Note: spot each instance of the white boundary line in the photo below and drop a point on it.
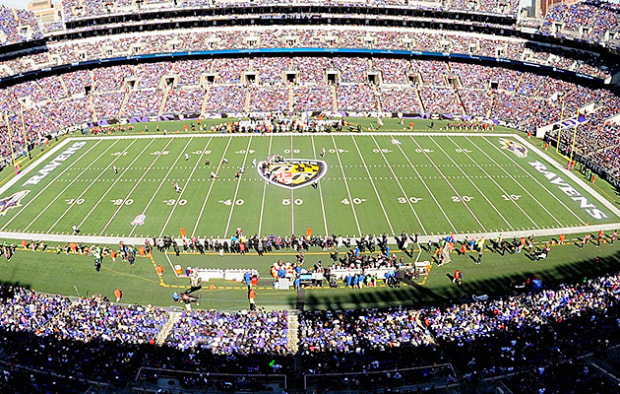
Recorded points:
(346, 185)
(114, 240)
(262, 206)
(520, 185)
(399, 185)
(496, 184)
(234, 200)
(427, 188)
(466, 204)
(50, 184)
(474, 184)
(321, 191)
(372, 183)
(204, 203)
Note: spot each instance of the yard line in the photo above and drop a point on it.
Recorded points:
(496, 184)
(427, 188)
(511, 227)
(292, 197)
(204, 203)
(522, 187)
(174, 207)
(321, 191)
(346, 185)
(135, 186)
(262, 206)
(373, 186)
(107, 191)
(449, 184)
(170, 168)
(537, 181)
(399, 185)
(50, 184)
(232, 207)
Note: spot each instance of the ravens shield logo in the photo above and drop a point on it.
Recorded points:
(292, 173)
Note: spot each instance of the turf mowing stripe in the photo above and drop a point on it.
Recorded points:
(232, 207)
(496, 184)
(170, 168)
(399, 185)
(108, 190)
(135, 186)
(373, 185)
(204, 203)
(320, 190)
(536, 200)
(48, 185)
(454, 229)
(537, 181)
(186, 183)
(346, 185)
(450, 185)
(511, 227)
(262, 205)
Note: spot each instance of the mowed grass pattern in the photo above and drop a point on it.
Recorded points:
(374, 184)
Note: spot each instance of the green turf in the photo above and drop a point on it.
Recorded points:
(75, 274)
(373, 184)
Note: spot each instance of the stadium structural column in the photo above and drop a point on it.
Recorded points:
(8, 128)
(572, 150)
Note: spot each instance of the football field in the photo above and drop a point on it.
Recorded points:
(432, 183)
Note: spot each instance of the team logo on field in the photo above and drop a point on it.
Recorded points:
(12, 201)
(292, 173)
(139, 220)
(516, 148)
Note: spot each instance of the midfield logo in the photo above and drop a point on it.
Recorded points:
(516, 148)
(12, 201)
(292, 173)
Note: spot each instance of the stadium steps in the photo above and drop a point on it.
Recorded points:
(92, 107)
(203, 108)
(124, 103)
(334, 99)
(417, 93)
(290, 98)
(293, 331)
(173, 318)
(246, 106)
(490, 110)
(163, 102)
(458, 96)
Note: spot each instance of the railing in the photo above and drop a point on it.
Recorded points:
(440, 375)
(149, 378)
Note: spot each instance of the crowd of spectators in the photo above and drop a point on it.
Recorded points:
(63, 52)
(224, 333)
(520, 334)
(75, 9)
(592, 20)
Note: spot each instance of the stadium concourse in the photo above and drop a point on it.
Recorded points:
(98, 63)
